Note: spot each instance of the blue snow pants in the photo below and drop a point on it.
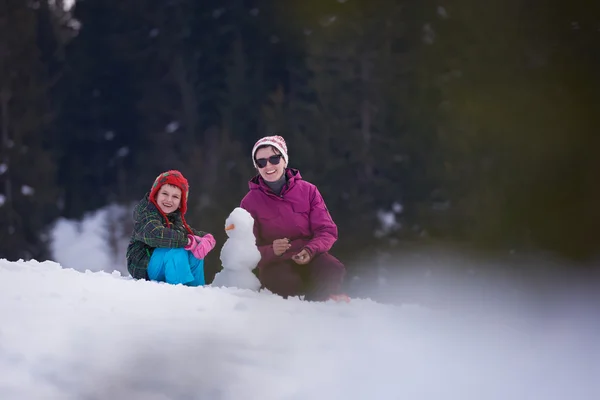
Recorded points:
(176, 266)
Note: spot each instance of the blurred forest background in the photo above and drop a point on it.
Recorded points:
(461, 121)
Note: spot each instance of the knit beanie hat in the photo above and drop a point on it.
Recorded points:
(276, 141)
(175, 178)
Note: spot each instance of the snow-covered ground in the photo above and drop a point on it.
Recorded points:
(97, 242)
(67, 334)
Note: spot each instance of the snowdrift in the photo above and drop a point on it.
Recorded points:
(92, 335)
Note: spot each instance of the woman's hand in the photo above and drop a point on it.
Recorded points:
(302, 258)
(280, 246)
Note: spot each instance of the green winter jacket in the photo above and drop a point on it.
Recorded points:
(149, 232)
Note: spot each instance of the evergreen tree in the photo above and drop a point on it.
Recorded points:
(28, 194)
(514, 122)
(348, 109)
(98, 124)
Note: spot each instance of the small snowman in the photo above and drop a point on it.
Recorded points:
(239, 254)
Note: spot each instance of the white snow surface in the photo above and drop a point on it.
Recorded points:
(96, 242)
(67, 334)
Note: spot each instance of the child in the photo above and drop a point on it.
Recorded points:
(163, 247)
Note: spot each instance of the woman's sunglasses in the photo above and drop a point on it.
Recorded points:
(274, 160)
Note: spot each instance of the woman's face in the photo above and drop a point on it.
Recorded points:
(168, 198)
(266, 156)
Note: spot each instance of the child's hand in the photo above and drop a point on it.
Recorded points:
(203, 246)
(192, 243)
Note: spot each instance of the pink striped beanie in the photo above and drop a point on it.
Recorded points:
(276, 141)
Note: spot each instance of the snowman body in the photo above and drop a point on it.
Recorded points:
(239, 255)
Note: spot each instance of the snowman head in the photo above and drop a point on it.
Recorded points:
(239, 224)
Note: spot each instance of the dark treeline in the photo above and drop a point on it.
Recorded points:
(479, 117)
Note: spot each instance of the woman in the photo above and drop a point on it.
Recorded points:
(293, 228)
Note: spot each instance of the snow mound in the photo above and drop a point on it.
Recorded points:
(93, 335)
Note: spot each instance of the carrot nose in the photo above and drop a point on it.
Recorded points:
(230, 227)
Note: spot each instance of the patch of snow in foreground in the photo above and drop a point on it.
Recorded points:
(73, 335)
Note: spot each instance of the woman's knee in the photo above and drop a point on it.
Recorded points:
(281, 279)
(326, 277)
(326, 264)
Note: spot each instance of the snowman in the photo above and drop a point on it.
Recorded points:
(239, 254)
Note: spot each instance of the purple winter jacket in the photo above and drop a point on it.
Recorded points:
(298, 213)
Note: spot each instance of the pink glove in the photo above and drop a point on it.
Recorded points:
(192, 242)
(203, 246)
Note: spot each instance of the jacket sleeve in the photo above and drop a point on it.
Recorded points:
(199, 233)
(150, 230)
(325, 232)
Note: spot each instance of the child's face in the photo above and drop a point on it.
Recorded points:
(168, 198)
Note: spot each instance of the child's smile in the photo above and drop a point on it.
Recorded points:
(168, 198)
